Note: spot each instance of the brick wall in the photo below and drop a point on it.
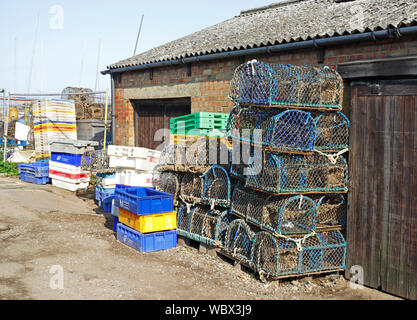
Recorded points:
(208, 85)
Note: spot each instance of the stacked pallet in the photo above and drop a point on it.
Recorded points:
(147, 220)
(52, 120)
(132, 167)
(37, 172)
(65, 165)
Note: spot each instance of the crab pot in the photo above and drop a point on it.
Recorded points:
(275, 256)
(251, 84)
(170, 182)
(323, 251)
(291, 174)
(332, 131)
(208, 226)
(183, 219)
(250, 124)
(292, 131)
(170, 156)
(217, 187)
(297, 215)
(254, 206)
(239, 240)
(288, 86)
(331, 209)
(191, 189)
(241, 155)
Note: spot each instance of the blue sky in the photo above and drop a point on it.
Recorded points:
(67, 56)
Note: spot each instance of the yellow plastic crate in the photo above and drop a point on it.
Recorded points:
(189, 139)
(149, 223)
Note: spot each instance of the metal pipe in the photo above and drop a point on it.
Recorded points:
(113, 112)
(319, 43)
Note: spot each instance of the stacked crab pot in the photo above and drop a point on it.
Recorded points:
(289, 139)
(194, 169)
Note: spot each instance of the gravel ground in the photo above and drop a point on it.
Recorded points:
(42, 227)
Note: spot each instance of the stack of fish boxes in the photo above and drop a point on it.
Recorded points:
(65, 164)
(34, 172)
(147, 220)
(134, 167)
(52, 120)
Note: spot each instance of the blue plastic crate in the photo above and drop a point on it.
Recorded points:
(115, 223)
(32, 179)
(37, 169)
(68, 158)
(143, 201)
(106, 204)
(146, 242)
(103, 193)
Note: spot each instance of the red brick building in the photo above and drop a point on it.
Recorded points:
(373, 45)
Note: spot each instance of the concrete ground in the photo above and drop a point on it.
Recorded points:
(55, 245)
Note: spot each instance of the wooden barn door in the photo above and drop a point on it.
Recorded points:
(382, 205)
(152, 115)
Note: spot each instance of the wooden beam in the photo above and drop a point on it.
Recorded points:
(404, 66)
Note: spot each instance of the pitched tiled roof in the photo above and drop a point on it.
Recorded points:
(283, 22)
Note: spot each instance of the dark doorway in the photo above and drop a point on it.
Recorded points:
(152, 115)
(382, 216)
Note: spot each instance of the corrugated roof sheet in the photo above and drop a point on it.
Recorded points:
(282, 22)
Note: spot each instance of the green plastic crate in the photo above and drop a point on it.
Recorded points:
(199, 132)
(202, 123)
(210, 115)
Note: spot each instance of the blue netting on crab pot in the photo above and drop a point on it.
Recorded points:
(290, 174)
(322, 252)
(183, 220)
(239, 240)
(217, 187)
(332, 130)
(297, 215)
(191, 188)
(249, 124)
(288, 86)
(253, 83)
(169, 182)
(292, 131)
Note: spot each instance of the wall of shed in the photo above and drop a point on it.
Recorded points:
(208, 85)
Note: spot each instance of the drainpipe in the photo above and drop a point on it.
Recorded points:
(396, 33)
(113, 112)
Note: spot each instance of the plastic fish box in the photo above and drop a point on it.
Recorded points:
(32, 179)
(115, 223)
(103, 193)
(77, 176)
(134, 178)
(69, 186)
(68, 158)
(143, 201)
(65, 168)
(149, 223)
(37, 169)
(146, 242)
(106, 204)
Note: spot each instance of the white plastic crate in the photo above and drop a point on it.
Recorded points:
(68, 180)
(108, 182)
(134, 178)
(69, 186)
(144, 164)
(65, 168)
(134, 152)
